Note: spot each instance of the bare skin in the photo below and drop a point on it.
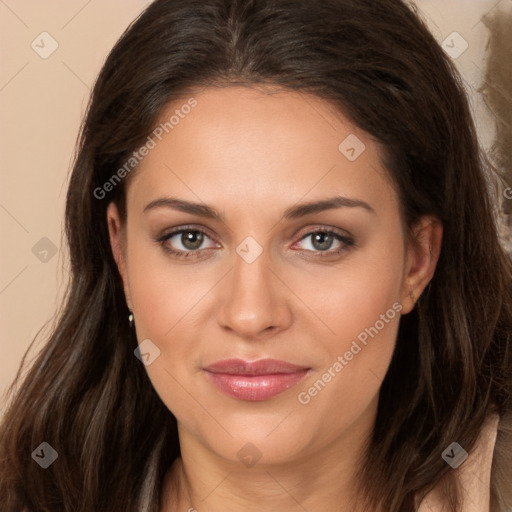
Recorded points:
(251, 156)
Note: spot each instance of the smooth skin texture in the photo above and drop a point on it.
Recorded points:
(251, 154)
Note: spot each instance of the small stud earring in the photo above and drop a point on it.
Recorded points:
(130, 319)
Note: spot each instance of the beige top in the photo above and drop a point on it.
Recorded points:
(474, 474)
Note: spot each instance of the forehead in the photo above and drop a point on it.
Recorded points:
(259, 145)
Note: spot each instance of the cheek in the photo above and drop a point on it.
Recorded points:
(362, 310)
(352, 295)
(355, 364)
(164, 294)
(166, 299)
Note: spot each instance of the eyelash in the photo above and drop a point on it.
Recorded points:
(346, 240)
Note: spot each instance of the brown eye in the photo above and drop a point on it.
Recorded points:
(322, 242)
(185, 242)
(192, 240)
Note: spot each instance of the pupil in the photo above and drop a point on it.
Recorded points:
(192, 239)
(324, 239)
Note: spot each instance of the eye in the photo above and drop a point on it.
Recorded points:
(188, 242)
(321, 241)
(184, 242)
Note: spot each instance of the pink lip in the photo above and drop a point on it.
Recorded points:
(257, 380)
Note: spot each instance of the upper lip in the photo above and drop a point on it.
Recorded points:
(259, 367)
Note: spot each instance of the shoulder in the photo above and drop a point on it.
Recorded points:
(474, 474)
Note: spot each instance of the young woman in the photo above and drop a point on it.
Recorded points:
(287, 289)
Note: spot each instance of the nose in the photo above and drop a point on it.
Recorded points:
(254, 301)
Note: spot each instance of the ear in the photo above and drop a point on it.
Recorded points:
(118, 244)
(422, 255)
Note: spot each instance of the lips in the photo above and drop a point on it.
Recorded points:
(256, 380)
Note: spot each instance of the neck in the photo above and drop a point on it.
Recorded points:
(322, 479)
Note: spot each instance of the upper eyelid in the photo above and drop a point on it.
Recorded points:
(177, 231)
(336, 231)
(342, 238)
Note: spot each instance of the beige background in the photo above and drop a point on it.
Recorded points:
(41, 104)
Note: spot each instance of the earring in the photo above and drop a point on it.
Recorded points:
(130, 319)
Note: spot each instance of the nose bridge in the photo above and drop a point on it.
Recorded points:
(252, 302)
(251, 273)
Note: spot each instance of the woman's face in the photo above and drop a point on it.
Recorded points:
(268, 276)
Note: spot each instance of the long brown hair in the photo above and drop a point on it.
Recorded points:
(86, 394)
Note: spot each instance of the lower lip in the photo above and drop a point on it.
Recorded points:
(255, 387)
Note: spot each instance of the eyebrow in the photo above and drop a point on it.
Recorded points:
(293, 212)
